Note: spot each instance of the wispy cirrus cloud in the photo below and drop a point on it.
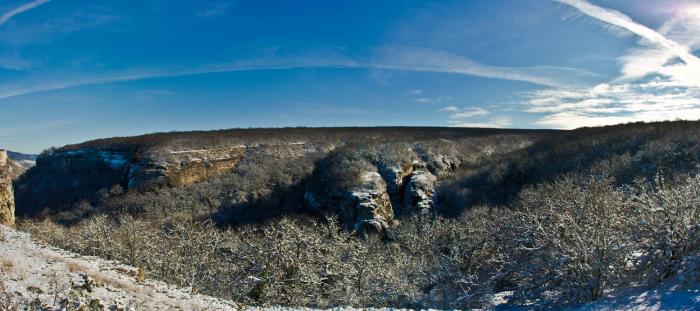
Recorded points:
(608, 104)
(676, 39)
(474, 117)
(498, 122)
(427, 100)
(618, 19)
(651, 86)
(54, 81)
(432, 100)
(4, 18)
(428, 60)
(404, 59)
(215, 8)
(470, 112)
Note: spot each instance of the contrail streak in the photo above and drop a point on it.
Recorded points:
(19, 10)
(618, 19)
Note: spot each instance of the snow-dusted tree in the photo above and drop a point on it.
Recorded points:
(566, 241)
(667, 231)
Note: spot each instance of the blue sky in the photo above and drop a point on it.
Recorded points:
(77, 70)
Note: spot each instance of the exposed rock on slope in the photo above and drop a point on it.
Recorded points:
(7, 198)
(372, 205)
(362, 206)
(180, 168)
(15, 169)
(174, 168)
(420, 191)
(369, 196)
(62, 177)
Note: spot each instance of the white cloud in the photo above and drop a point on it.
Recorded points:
(414, 92)
(468, 113)
(651, 59)
(608, 104)
(618, 19)
(14, 62)
(63, 80)
(432, 100)
(463, 117)
(651, 87)
(19, 10)
(449, 109)
(499, 122)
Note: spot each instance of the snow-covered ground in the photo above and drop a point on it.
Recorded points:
(30, 271)
(668, 296)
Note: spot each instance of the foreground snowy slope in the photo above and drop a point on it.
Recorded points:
(31, 271)
(34, 275)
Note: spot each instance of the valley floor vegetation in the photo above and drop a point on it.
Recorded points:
(561, 220)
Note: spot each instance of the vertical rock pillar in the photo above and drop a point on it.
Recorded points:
(7, 197)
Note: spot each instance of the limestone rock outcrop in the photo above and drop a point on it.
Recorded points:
(180, 168)
(365, 206)
(64, 177)
(372, 204)
(139, 171)
(381, 192)
(7, 200)
(420, 191)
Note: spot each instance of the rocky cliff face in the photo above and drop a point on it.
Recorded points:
(180, 168)
(7, 198)
(420, 191)
(62, 178)
(132, 171)
(381, 191)
(364, 206)
(367, 177)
